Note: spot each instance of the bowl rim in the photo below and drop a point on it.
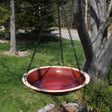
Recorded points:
(26, 83)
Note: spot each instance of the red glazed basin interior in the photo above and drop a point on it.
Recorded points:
(55, 78)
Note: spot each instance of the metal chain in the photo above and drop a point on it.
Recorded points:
(39, 38)
(70, 36)
(74, 50)
(60, 35)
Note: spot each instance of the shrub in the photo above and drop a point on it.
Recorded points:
(99, 95)
(110, 74)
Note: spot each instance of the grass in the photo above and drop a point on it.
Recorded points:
(14, 96)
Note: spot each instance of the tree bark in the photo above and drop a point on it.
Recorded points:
(78, 9)
(86, 12)
(98, 53)
(13, 48)
(99, 66)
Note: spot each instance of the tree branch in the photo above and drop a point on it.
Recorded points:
(109, 11)
(102, 29)
(105, 57)
(78, 9)
(108, 15)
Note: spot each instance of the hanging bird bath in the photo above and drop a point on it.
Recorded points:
(55, 80)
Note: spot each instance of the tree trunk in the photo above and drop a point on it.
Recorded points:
(13, 48)
(86, 12)
(98, 52)
(100, 65)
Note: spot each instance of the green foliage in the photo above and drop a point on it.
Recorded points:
(1, 34)
(67, 4)
(4, 15)
(110, 74)
(31, 15)
(99, 95)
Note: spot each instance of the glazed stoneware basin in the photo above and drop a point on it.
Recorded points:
(55, 80)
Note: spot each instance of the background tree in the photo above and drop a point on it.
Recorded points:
(5, 17)
(67, 6)
(13, 48)
(30, 15)
(97, 47)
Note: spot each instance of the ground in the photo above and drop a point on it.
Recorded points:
(19, 53)
(54, 33)
(65, 107)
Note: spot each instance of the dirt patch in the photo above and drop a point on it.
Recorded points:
(5, 41)
(19, 53)
(69, 107)
(64, 108)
